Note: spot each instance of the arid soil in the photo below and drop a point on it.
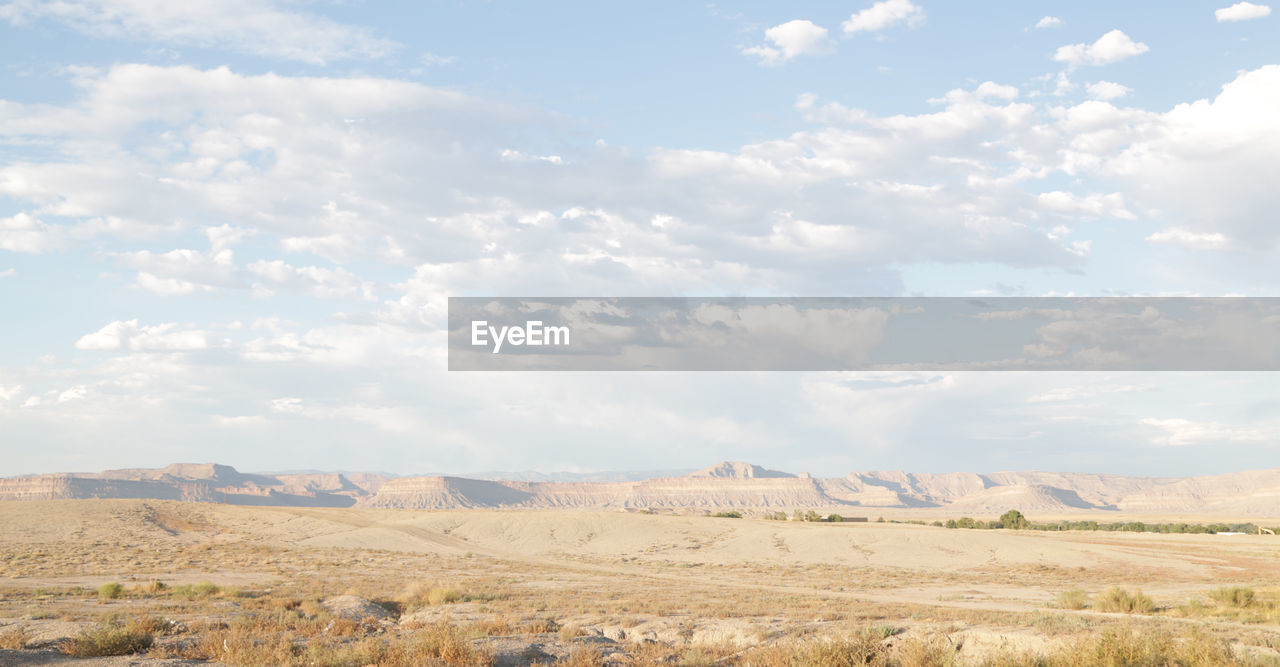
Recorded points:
(339, 586)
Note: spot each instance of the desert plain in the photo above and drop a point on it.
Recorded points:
(116, 581)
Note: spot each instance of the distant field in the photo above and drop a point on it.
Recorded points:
(263, 585)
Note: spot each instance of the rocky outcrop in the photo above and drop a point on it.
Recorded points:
(198, 482)
(727, 485)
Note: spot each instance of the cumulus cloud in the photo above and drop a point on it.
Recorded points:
(1107, 90)
(884, 14)
(788, 40)
(183, 271)
(314, 280)
(131, 336)
(1190, 239)
(1109, 48)
(1048, 22)
(244, 26)
(1093, 205)
(27, 234)
(1242, 11)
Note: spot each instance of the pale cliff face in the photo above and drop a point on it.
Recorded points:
(724, 485)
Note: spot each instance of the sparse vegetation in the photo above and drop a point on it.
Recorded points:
(668, 602)
(1233, 596)
(1121, 600)
(727, 514)
(109, 638)
(1073, 599)
(110, 591)
(14, 637)
(1014, 519)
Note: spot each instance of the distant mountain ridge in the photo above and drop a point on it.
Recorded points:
(728, 485)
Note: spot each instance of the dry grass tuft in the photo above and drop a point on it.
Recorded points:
(1120, 600)
(1073, 599)
(108, 638)
(15, 637)
(1233, 596)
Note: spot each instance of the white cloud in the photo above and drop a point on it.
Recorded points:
(1183, 432)
(1093, 205)
(317, 281)
(24, 233)
(790, 39)
(129, 335)
(881, 15)
(1109, 48)
(1107, 90)
(434, 60)
(1242, 11)
(998, 91)
(244, 26)
(184, 271)
(224, 236)
(1048, 22)
(1190, 239)
(8, 273)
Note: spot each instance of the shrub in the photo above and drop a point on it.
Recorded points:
(110, 591)
(1073, 599)
(422, 594)
(541, 626)
(108, 639)
(1014, 520)
(1233, 596)
(14, 637)
(205, 589)
(1127, 647)
(775, 516)
(835, 518)
(443, 595)
(730, 514)
(859, 648)
(1120, 600)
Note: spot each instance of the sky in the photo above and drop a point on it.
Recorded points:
(228, 229)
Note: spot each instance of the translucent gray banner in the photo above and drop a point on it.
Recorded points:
(845, 334)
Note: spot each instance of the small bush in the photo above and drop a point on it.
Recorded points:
(422, 594)
(1233, 596)
(1073, 599)
(730, 514)
(835, 518)
(1127, 647)
(153, 625)
(110, 591)
(443, 595)
(205, 589)
(14, 637)
(541, 626)
(108, 639)
(1120, 600)
(153, 587)
(857, 649)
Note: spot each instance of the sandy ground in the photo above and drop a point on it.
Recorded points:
(615, 554)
